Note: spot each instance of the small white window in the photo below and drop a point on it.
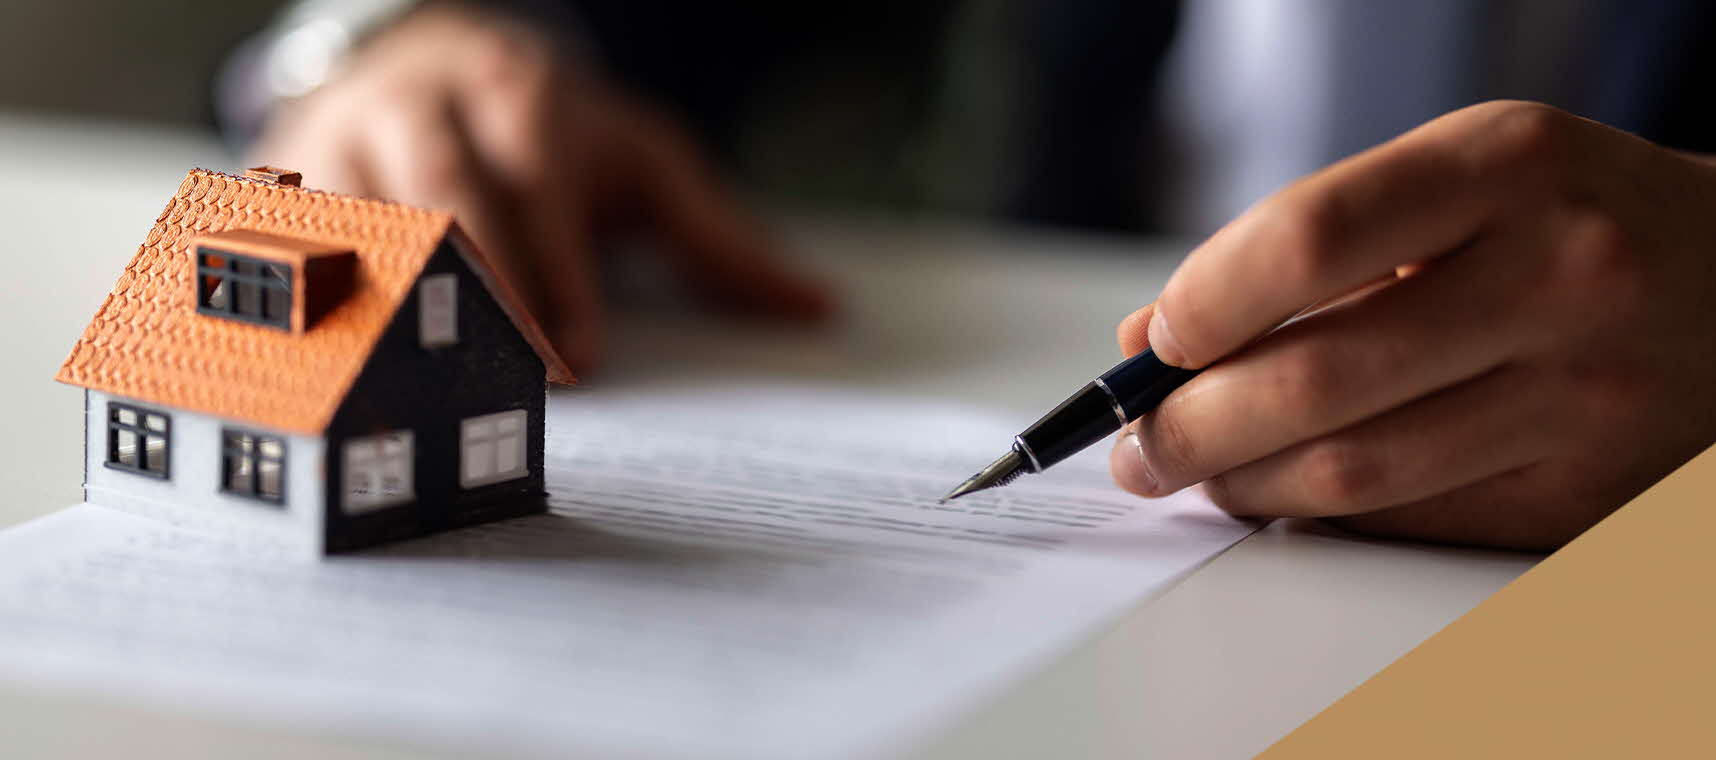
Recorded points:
(491, 448)
(438, 310)
(378, 472)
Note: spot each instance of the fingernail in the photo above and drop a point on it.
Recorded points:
(1128, 466)
(1163, 342)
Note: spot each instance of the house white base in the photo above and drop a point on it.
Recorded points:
(190, 492)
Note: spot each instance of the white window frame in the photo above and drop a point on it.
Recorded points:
(370, 463)
(438, 310)
(492, 448)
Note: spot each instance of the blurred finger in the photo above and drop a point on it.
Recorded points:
(1436, 444)
(1132, 332)
(1507, 511)
(331, 157)
(1342, 365)
(427, 158)
(724, 252)
(419, 154)
(1409, 200)
(519, 130)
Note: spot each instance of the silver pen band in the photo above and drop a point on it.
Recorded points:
(1019, 443)
(1113, 402)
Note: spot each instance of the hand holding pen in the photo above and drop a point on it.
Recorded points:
(1510, 333)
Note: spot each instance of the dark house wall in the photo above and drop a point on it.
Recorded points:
(429, 391)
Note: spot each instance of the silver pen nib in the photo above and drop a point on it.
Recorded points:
(999, 473)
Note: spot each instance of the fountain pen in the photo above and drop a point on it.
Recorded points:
(1104, 405)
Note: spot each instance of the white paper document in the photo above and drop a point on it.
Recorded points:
(725, 573)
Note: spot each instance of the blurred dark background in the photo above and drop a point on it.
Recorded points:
(121, 59)
(1115, 115)
(911, 106)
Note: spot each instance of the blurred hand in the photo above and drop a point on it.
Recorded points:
(461, 109)
(1515, 334)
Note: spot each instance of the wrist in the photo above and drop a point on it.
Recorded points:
(313, 41)
(303, 49)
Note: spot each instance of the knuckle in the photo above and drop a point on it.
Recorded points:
(491, 52)
(1596, 252)
(1311, 380)
(1184, 303)
(1169, 448)
(504, 57)
(1219, 490)
(1596, 280)
(521, 76)
(1527, 136)
(513, 123)
(1340, 476)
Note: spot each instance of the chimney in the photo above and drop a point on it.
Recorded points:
(275, 175)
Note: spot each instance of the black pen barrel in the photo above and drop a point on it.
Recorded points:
(1083, 419)
(1102, 406)
(1142, 381)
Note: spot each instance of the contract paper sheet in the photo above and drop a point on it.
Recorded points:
(724, 573)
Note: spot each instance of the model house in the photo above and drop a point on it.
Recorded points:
(322, 371)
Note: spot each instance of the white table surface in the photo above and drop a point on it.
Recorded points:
(1250, 646)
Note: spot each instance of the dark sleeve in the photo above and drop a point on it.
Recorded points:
(706, 62)
(1686, 119)
(1086, 151)
(1652, 70)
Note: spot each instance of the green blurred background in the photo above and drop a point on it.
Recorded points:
(148, 60)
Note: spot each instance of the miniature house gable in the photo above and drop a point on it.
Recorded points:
(456, 424)
(321, 370)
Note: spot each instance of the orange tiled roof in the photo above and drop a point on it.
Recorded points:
(147, 341)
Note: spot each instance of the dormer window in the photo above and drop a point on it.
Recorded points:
(243, 288)
(261, 278)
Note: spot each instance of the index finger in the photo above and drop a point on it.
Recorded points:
(1423, 194)
(724, 252)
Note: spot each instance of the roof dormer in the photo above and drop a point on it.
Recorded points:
(272, 280)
